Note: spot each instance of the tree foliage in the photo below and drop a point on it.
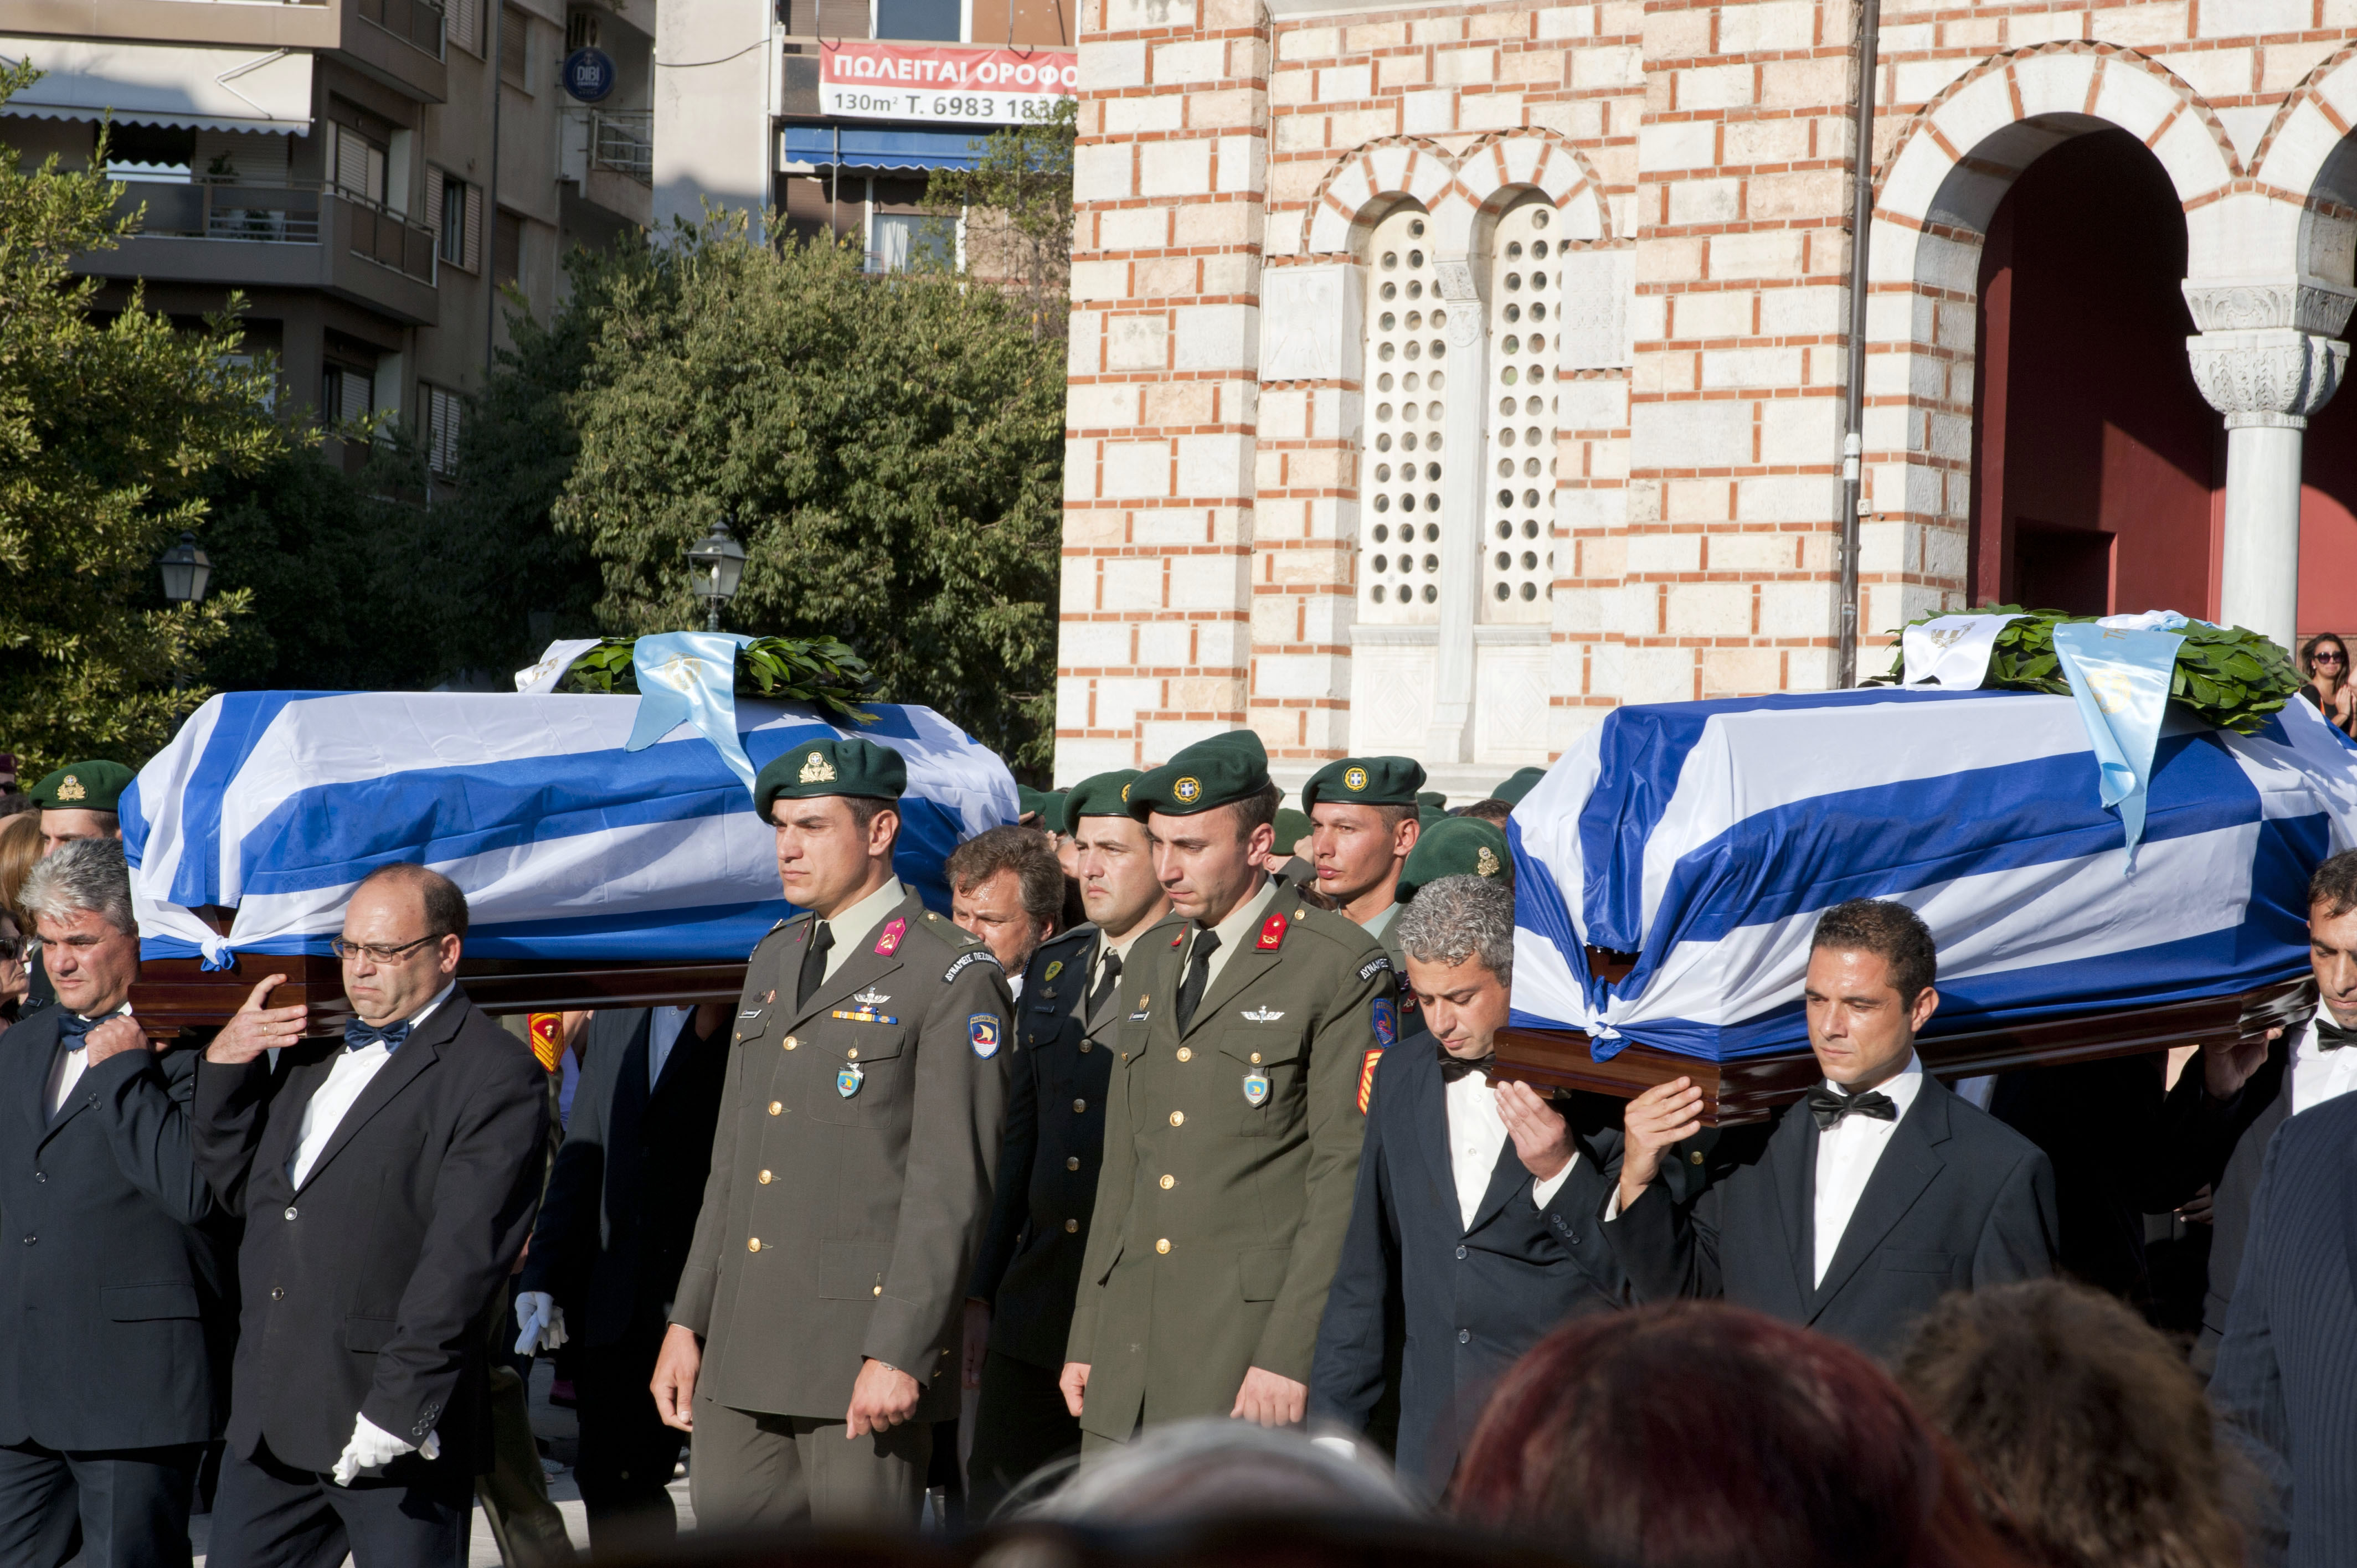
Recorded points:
(888, 449)
(1017, 202)
(108, 427)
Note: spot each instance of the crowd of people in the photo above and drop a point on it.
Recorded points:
(1168, 1178)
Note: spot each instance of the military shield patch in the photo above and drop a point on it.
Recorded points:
(982, 1028)
(1387, 1024)
(847, 1081)
(1255, 1089)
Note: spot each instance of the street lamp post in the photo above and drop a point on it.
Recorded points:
(187, 572)
(718, 566)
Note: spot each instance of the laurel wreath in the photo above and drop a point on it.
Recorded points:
(820, 671)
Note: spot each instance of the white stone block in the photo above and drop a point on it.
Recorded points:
(1787, 498)
(1812, 310)
(1766, 27)
(2246, 125)
(1104, 405)
(1093, 281)
(2024, 28)
(2054, 84)
(1921, 81)
(1462, 67)
(1796, 610)
(1107, 65)
(1190, 60)
(1217, 337)
(1078, 757)
(1346, 84)
(1215, 467)
(1657, 675)
(1685, 144)
(1765, 368)
(1428, 113)
(1243, 163)
(2214, 73)
(1592, 331)
(1136, 469)
(1650, 554)
(1138, 343)
(1310, 323)
(1706, 201)
(1102, 172)
(1592, 405)
(1138, 16)
(1712, 87)
(1716, 435)
(1800, 430)
(1174, 168)
(2242, 19)
(2195, 165)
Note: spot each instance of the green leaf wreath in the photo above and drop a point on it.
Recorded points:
(823, 672)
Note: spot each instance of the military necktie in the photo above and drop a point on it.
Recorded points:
(1199, 976)
(822, 942)
(2329, 1035)
(1108, 983)
(1829, 1107)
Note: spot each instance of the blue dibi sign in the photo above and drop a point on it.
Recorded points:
(589, 74)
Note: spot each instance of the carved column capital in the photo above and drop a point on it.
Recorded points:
(2267, 376)
(2249, 304)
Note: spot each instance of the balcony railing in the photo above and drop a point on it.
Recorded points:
(291, 213)
(415, 22)
(624, 141)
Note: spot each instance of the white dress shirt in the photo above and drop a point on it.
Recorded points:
(2319, 1076)
(1846, 1154)
(326, 1109)
(67, 1070)
(663, 1030)
(1477, 1136)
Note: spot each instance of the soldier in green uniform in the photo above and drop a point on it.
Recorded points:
(1364, 809)
(1251, 1022)
(77, 802)
(814, 1335)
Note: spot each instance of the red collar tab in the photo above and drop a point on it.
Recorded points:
(1179, 938)
(1272, 932)
(893, 932)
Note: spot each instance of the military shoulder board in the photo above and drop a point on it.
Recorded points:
(983, 955)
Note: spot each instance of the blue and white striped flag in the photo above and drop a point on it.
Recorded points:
(1706, 838)
(568, 845)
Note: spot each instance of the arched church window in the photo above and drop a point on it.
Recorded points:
(1403, 454)
(1525, 318)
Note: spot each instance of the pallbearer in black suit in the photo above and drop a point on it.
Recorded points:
(1030, 1264)
(1476, 1205)
(387, 1181)
(111, 1375)
(2286, 1386)
(1879, 1193)
(607, 1248)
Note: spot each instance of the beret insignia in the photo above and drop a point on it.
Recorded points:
(817, 769)
(1187, 791)
(1486, 861)
(70, 788)
(1355, 778)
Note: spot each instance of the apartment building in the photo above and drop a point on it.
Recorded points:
(371, 176)
(834, 112)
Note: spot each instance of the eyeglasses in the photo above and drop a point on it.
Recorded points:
(376, 952)
(2327, 656)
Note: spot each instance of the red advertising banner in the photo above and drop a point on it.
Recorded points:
(943, 82)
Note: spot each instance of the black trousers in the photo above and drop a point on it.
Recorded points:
(627, 1453)
(125, 1508)
(271, 1515)
(1020, 1427)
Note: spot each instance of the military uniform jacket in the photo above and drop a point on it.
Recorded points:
(851, 1169)
(1231, 1154)
(1030, 1265)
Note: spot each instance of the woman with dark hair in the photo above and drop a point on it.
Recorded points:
(2092, 1440)
(2324, 660)
(1694, 1434)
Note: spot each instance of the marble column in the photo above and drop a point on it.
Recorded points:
(2267, 357)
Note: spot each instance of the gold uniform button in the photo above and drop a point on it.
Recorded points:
(1168, 1182)
(1695, 1158)
(1071, 1162)
(1163, 1245)
(753, 1244)
(1072, 1227)
(792, 1042)
(878, 1291)
(1084, 1048)
(1185, 1055)
(764, 1179)
(1255, 1059)
(852, 1054)
(776, 1106)
(1079, 1106)
(1178, 1118)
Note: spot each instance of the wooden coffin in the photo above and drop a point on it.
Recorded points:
(1747, 1091)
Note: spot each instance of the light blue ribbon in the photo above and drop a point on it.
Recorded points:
(690, 677)
(2119, 676)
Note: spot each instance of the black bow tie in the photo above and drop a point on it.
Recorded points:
(1454, 1068)
(1829, 1107)
(358, 1037)
(2329, 1035)
(73, 1028)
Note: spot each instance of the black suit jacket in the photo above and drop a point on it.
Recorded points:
(111, 1287)
(1957, 1200)
(621, 1202)
(371, 1290)
(1030, 1266)
(2286, 1385)
(2263, 1105)
(1472, 1298)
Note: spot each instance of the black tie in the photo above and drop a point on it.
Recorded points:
(822, 942)
(1108, 981)
(1829, 1106)
(2332, 1037)
(1454, 1068)
(72, 1030)
(1199, 976)
(358, 1037)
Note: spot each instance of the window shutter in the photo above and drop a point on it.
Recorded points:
(434, 202)
(515, 43)
(474, 262)
(465, 25)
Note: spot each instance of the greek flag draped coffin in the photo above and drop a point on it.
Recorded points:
(1706, 838)
(569, 848)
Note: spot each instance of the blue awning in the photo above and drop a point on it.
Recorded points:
(859, 147)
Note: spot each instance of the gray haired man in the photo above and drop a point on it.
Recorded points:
(110, 1382)
(1476, 1202)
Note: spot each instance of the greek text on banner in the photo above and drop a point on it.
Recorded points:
(914, 81)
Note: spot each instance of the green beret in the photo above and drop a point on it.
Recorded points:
(1455, 846)
(1292, 827)
(848, 766)
(1052, 812)
(1029, 801)
(1364, 781)
(1513, 791)
(1101, 795)
(1431, 806)
(1215, 772)
(83, 787)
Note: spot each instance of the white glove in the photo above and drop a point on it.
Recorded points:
(540, 1322)
(372, 1448)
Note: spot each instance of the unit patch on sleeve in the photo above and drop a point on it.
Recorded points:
(979, 955)
(1387, 1024)
(982, 1028)
(1375, 966)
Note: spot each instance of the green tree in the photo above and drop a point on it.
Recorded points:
(888, 450)
(107, 427)
(1017, 203)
